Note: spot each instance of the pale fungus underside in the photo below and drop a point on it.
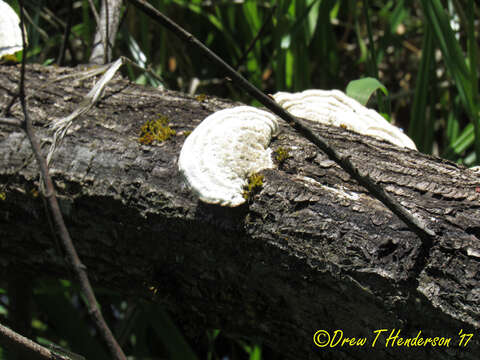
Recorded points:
(231, 145)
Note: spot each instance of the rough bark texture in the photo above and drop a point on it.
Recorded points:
(311, 251)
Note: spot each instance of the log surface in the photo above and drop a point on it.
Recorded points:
(313, 250)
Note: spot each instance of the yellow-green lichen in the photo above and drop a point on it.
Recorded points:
(201, 97)
(282, 154)
(156, 130)
(3, 195)
(255, 183)
(11, 58)
(187, 132)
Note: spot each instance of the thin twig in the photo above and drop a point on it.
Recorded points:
(11, 122)
(78, 267)
(11, 339)
(95, 12)
(147, 70)
(412, 221)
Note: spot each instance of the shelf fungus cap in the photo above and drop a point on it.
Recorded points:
(333, 107)
(227, 147)
(10, 32)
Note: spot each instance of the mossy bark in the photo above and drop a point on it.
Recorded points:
(312, 250)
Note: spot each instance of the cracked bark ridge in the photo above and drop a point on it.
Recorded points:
(312, 251)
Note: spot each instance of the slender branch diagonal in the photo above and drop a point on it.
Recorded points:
(72, 255)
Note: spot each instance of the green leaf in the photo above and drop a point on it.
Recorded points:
(289, 69)
(252, 17)
(256, 353)
(398, 15)
(464, 141)
(313, 16)
(362, 89)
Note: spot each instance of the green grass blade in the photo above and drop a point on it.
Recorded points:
(306, 14)
(325, 46)
(256, 353)
(313, 16)
(398, 15)
(463, 142)
(362, 46)
(453, 126)
(217, 22)
(454, 60)
(289, 72)
(252, 16)
(303, 16)
(451, 51)
(419, 122)
(472, 50)
(301, 67)
(472, 57)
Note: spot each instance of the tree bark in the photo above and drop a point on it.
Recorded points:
(313, 250)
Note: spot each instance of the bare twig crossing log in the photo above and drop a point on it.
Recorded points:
(58, 219)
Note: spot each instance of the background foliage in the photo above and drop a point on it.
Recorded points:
(423, 52)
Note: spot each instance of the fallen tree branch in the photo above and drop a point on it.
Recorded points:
(411, 220)
(313, 250)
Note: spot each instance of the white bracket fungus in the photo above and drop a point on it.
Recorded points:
(10, 32)
(226, 148)
(333, 107)
(232, 144)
